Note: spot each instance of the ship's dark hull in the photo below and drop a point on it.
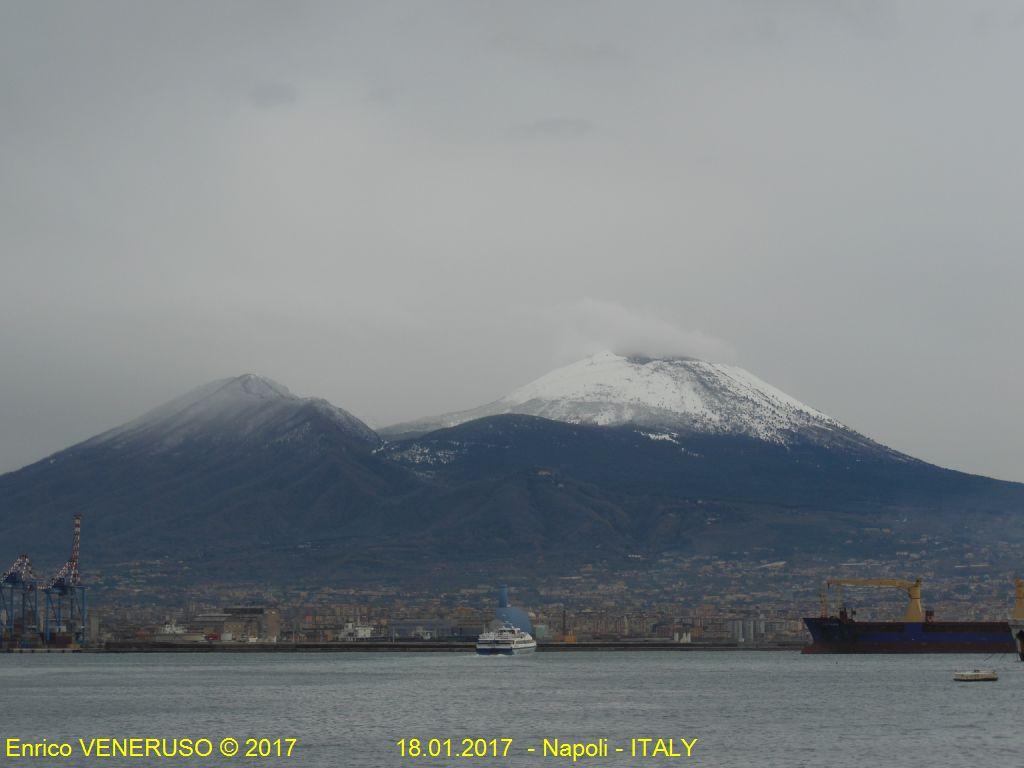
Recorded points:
(1017, 630)
(834, 635)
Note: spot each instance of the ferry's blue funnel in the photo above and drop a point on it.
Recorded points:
(514, 616)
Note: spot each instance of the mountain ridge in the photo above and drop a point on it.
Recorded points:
(232, 399)
(240, 476)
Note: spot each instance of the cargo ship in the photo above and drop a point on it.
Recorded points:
(918, 632)
(1017, 621)
(1017, 633)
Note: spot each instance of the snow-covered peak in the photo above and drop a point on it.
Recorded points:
(235, 393)
(673, 394)
(634, 385)
(258, 386)
(237, 406)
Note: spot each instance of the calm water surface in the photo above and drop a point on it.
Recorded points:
(348, 709)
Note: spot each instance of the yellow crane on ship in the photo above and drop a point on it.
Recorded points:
(914, 610)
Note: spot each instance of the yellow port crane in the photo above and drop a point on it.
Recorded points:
(914, 610)
(1018, 602)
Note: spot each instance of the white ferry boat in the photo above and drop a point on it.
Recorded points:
(506, 640)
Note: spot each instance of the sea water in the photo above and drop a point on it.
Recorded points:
(772, 709)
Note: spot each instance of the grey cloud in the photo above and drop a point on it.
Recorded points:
(412, 208)
(553, 128)
(593, 325)
(273, 94)
(561, 51)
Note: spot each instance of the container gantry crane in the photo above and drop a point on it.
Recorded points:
(19, 602)
(66, 611)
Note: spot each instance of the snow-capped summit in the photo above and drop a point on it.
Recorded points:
(238, 407)
(682, 394)
(257, 386)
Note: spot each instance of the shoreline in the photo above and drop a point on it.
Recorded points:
(131, 646)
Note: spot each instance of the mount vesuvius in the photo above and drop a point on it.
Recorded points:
(242, 480)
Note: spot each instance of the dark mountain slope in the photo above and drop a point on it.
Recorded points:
(241, 480)
(236, 465)
(661, 493)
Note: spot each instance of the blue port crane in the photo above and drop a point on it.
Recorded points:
(66, 611)
(19, 603)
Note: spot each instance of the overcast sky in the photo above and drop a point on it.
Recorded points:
(410, 208)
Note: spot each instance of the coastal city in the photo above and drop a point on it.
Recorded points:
(694, 601)
(687, 600)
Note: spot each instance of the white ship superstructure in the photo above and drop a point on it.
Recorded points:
(506, 640)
